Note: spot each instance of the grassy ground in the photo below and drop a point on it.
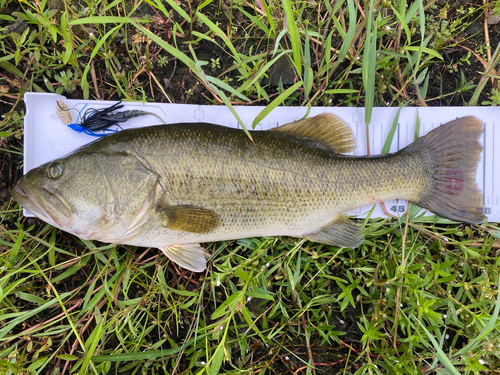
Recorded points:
(416, 297)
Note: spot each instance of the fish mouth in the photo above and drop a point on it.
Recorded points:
(19, 189)
(45, 202)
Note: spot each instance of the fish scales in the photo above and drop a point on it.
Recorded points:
(174, 186)
(277, 183)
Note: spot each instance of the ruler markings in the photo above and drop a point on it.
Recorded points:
(494, 156)
(431, 118)
(489, 153)
(484, 164)
(489, 184)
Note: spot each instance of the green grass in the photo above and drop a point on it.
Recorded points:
(415, 297)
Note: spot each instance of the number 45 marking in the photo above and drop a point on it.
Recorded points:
(398, 208)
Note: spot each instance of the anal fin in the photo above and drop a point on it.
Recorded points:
(190, 256)
(341, 232)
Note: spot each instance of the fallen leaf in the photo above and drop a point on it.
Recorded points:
(63, 113)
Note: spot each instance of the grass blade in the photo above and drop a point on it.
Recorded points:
(262, 71)
(104, 20)
(276, 102)
(440, 354)
(308, 72)
(351, 31)
(226, 87)
(369, 65)
(294, 36)
(9, 326)
(159, 5)
(148, 355)
(390, 136)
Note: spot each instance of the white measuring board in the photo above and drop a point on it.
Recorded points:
(46, 138)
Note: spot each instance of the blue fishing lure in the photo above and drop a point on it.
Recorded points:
(96, 120)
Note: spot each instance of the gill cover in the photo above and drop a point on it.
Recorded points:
(132, 188)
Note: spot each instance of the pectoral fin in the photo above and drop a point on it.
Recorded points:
(325, 127)
(189, 218)
(190, 256)
(341, 232)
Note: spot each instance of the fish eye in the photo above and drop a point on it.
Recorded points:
(55, 170)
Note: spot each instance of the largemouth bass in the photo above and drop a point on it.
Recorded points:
(174, 186)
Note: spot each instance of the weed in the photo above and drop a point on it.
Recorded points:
(66, 80)
(162, 61)
(494, 98)
(215, 63)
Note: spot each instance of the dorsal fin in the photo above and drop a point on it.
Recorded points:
(325, 127)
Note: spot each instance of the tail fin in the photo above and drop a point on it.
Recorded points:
(454, 150)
